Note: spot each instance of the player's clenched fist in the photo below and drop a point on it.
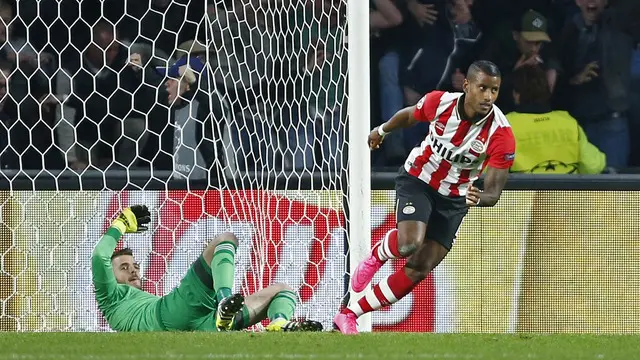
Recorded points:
(473, 196)
(133, 219)
(375, 139)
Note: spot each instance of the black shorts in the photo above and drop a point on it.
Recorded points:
(417, 201)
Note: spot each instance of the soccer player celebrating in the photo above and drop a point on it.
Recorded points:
(434, 188)
(202, 302)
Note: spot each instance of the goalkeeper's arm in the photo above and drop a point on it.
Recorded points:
(130, 220)
(104, 280)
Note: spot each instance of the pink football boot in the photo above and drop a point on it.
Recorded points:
(346, 323)
(365, 272)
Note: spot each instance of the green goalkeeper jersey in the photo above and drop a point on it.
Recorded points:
(125, 307)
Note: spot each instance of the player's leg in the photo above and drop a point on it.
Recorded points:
(276, 303)
(195, 296)
(413, 210)
(220, 255)
(394, 287)
(441, 232)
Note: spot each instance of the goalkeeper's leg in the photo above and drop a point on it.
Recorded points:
(220, 255)
(277, 303)
(205, 291)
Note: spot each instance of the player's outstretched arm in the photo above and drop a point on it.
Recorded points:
(425, 110)
(404, 118)
(130, 220)
(104, 280)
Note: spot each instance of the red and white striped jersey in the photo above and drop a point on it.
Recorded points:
(455, 151)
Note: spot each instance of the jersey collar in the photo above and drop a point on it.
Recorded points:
(477, 120)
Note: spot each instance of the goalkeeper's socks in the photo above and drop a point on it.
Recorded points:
(388, 247)
(388, 291)
(223, 267)
(283, 305)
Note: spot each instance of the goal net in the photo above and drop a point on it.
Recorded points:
(224, 117)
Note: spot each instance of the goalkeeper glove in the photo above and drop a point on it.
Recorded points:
(133, 219)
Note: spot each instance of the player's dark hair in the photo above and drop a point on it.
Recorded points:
(485, 67)
(530, 82)
(125, 251)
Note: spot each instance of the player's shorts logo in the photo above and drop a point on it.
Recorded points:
(408, 210)
(477, 146)
(421, 102)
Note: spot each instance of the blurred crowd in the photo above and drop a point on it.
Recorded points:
(130, 84)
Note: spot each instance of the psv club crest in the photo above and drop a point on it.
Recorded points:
(477, 146)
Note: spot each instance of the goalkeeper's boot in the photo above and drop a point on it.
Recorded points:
(282, 324)
(346, 322)
(365, 271)
(227, 310)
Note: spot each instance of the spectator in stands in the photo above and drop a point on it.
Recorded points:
(284, 81)
(494, 21)
(6, 17)
(462, 20)
(8, 156)
(528, 45)
(596, 54)
(104, 82)
(466, 34)
(429, 40)
(466, 47)
(387, 37)
(162, 22)
(242, 64)
(548, 142)
(323, 83)
(497, 17)
(197, 115)
(384, 15)
(31, 137)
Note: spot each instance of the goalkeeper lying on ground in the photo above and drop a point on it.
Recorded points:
(202, 302)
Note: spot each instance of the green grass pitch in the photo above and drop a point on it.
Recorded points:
(125, 346)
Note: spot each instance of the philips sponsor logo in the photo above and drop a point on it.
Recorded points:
(450, 155)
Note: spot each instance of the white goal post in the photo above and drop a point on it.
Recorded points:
(265, 136)
(359, 153)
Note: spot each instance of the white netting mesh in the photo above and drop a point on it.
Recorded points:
(283, 69)
(88, 105)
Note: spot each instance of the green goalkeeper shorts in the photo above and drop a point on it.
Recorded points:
(192, 304)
